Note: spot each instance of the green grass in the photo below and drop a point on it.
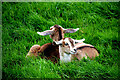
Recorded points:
(98, 23)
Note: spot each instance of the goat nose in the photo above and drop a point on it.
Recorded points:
(75, 50)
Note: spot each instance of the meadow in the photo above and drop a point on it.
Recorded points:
(98, 23)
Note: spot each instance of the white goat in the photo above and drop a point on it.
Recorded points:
(68, 50)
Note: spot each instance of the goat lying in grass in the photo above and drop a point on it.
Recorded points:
(50, 50)
(68, 50)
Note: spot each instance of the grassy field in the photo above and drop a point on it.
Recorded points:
(98, 23)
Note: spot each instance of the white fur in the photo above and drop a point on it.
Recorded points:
(65, 58)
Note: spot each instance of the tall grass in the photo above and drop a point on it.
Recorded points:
(98, 23)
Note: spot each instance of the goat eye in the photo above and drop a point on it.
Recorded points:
(60, 44)
(76, 42)
(66, 43)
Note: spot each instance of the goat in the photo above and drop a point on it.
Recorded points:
(68, 50)
(50, 50)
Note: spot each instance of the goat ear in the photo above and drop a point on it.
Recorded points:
(79, 41)
(70, 30)
(47, 32)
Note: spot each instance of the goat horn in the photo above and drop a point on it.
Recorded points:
(79, 41)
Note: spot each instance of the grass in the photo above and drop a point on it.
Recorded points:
(98, 23)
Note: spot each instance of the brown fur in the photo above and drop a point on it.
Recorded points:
(47, 51)
(58, 33)
(63, 43)
(34, 51)
(50, 52)
(71, 41)
(86, 51)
